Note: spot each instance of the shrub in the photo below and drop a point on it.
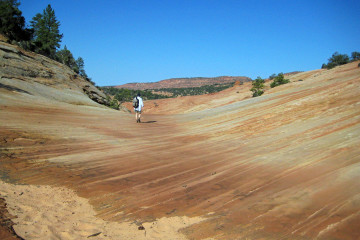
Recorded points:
(272, 76)
(113, 103)
(336, 59)
(64, 56)
(197, 90)
(355, 56)
(27, 45)
(279, 80)
(126, 95)
(258, 87)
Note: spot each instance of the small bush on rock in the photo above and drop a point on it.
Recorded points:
(336, 59)
(258, 87)
(279, 80)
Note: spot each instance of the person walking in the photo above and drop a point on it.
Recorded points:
(138, 105)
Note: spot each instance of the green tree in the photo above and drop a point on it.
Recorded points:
(279, 80)
(336, 59)
(272, 76)
(81, 66)
(46, 32)
(258, 87)
(12, 23)
(124, 95)
(64, 56)
(355, 56)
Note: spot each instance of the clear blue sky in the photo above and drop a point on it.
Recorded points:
(151, 40)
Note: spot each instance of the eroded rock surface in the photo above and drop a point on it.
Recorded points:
(39, 75)
(285, 165)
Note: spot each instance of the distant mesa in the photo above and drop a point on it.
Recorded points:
(184, 82)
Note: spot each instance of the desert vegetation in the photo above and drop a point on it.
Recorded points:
(113, 103)
(279, 80)
(258, 87)
(117, 96)
(120, 95)
(191, 91)
(258, 84)
(126, 95)
(338, 59)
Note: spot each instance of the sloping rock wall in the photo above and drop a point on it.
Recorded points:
(40, 76)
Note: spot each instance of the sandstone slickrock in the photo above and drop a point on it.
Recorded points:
(39, 75)
(285, 165)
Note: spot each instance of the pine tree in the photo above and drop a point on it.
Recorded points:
(46, 32)
(12, 22)
(80, 64)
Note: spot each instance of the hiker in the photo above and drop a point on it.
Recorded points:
(138, 105)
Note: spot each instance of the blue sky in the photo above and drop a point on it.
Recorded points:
(150, 40)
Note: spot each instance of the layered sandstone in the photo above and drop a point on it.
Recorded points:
(285, 165)
(35, 74)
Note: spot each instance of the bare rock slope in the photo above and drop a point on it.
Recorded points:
(285, 165)
(35, 74)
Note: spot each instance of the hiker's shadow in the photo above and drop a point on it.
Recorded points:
(149, 122)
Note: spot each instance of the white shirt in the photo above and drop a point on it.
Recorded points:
(141, 104)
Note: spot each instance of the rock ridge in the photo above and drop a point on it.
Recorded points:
(184, 82)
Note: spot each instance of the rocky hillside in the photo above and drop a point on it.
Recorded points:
(183, 82)
(34, 74)
(284, 165)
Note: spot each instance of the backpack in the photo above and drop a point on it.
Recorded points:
(135, 102)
